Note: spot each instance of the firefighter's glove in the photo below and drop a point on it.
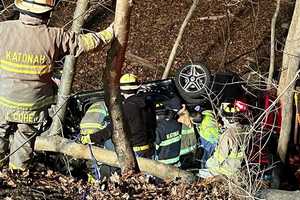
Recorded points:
(184, 117)
(85, 139)
(85, 136)
(107, 35)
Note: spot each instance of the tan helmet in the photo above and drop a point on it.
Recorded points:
(129, 82)
(35, 6)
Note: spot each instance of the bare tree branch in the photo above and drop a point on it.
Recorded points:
(178, 39)
(272, 54)
(68, 71)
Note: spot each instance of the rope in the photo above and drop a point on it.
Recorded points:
(95, 167)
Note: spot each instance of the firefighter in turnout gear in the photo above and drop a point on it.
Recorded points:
(95, 125)
(139, 112)
(168, 134)
(28, 51)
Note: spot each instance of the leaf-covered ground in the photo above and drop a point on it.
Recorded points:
(50, 185)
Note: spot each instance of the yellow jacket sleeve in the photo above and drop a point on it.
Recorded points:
(75, 44)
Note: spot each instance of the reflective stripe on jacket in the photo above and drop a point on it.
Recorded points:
(188, 140)
(28, 49)
(168, 141)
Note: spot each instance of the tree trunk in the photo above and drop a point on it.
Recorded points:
(68, 73)
(290, 65)
(68, 147)
(114, 64)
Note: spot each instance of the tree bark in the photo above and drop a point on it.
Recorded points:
(68, 147)
(178, 39)
(290, 65)
(68, 73)
(112, 74)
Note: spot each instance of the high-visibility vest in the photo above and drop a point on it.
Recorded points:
(209, 127)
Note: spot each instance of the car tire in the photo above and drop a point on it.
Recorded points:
(192, 80)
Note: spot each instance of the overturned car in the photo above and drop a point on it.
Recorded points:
(199, 90)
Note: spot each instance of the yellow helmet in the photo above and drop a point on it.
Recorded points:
(35, 6)
(129, 82)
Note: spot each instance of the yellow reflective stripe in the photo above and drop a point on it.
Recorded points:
(95, 110)
(236, 155)
(170, 161)
(141, 148)
(91, 125)
(17, 65)
(31, 69)
(25, 106)
(233, 155)
(187, 131)
(187, 150)
(18, 71)
(170, 141)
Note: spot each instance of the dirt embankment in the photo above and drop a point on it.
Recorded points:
(223, 36)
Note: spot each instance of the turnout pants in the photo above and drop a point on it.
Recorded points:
(16, 137)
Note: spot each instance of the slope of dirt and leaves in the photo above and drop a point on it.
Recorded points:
(225, 35)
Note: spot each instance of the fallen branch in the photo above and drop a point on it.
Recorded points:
(178, 39)
(80, 151)
(139, 60)
(213, 18)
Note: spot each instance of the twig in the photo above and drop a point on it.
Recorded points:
(217, 17)
(134, 58)
(178, 39)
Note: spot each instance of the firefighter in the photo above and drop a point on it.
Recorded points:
(229, 153)
(27, 54)
(168, 133)
(230, 150)
(139, 112)
(189, 140)
(95, 125)
(209, 131)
